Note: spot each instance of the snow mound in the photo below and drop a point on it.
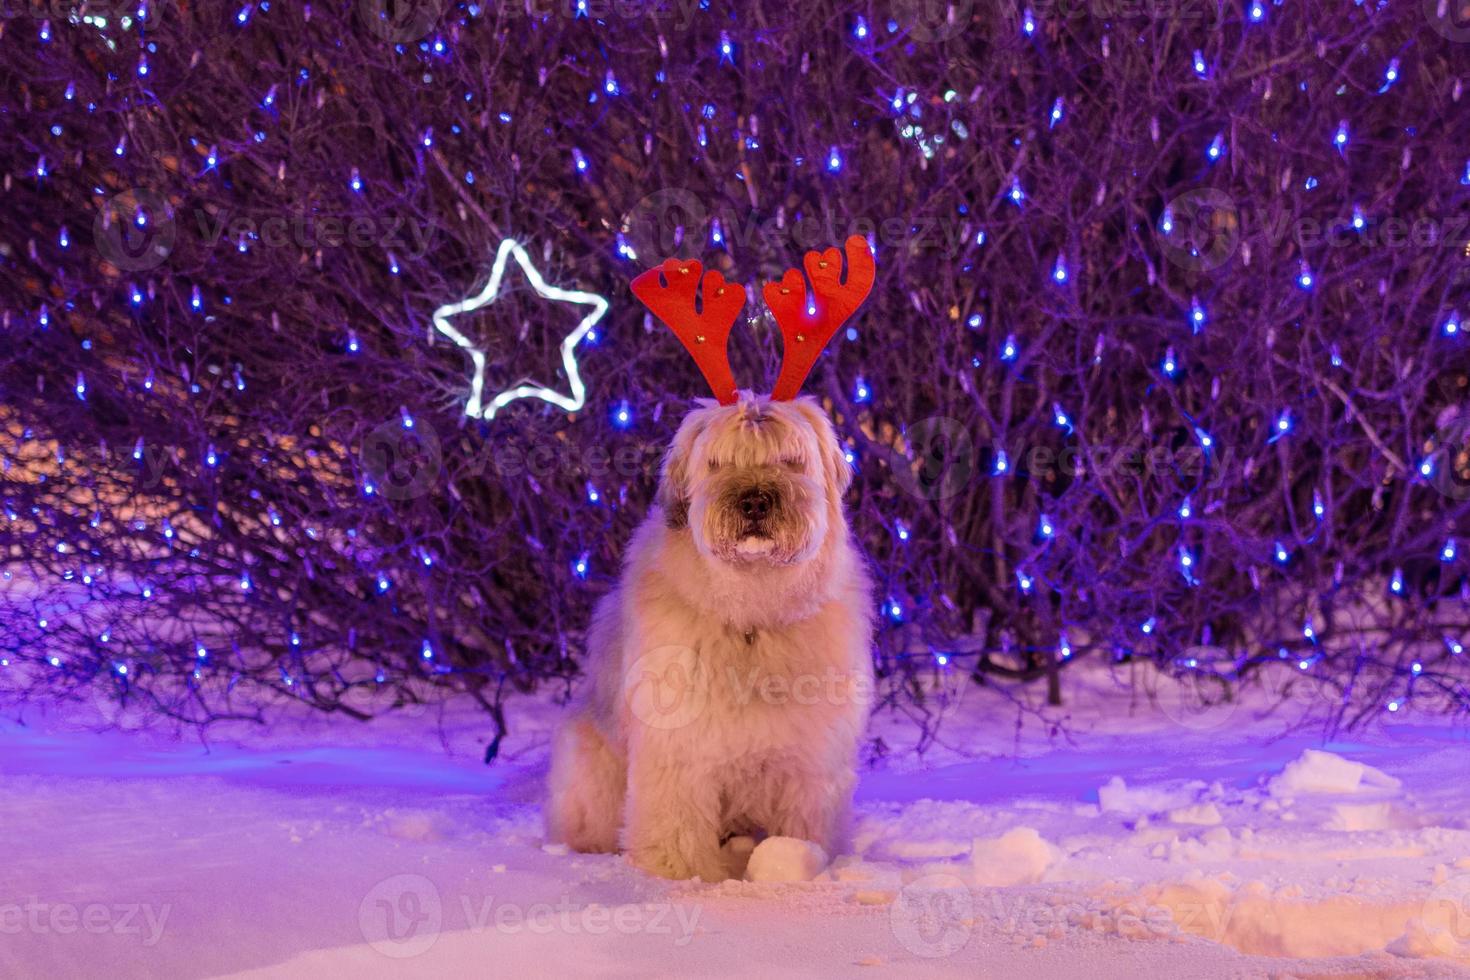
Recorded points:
(1422, 941)
(1017, 857)
(785, 859)
(1315, 771)
(416, 825)
(1200, 814)
(1360, 816)
(1117, 797)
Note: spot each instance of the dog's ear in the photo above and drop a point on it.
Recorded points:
(673, 483)
(834, 461)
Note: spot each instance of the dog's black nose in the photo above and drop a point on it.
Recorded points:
(756, 504)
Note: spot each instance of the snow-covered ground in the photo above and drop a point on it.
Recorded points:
(1113, 838)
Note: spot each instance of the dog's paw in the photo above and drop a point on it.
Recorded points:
(668, 863)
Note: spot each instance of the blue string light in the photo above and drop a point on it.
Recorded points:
(1390, 75)
(1186, 565)
(1170, 365)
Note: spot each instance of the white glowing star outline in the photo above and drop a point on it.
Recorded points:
(476, 407)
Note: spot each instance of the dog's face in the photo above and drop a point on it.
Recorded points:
(759, 481)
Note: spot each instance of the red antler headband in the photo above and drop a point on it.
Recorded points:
(668, 290)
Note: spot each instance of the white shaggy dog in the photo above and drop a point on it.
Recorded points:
(730, 673)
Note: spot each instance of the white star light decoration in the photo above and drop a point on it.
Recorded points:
(476, 407)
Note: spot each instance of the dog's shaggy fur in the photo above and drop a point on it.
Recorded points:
(730, 673)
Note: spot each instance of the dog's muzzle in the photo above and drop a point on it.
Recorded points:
(755, 506)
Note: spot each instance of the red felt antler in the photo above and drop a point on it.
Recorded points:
(806, 332)
(705, 332)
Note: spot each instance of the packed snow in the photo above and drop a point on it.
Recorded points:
(1113, 837)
